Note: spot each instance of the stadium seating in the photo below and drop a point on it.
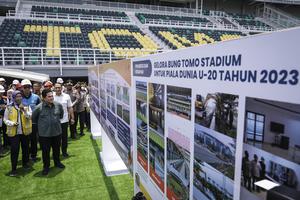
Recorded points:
(225, 21)
(74, 11)
(247, 20)
(78, 40)
(122, 39)
(143, 16)
(205, 12)
(177, 38)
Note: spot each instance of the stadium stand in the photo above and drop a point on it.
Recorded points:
(83, 34)
(145, 16)
(60, 34)
(177, 38)
(248, 20)
(225, 21)
(74, 11)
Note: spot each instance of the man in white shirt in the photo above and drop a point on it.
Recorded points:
(65, 100)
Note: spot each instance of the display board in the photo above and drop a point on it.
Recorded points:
(196, 111)
(115, 90)
(94, 91)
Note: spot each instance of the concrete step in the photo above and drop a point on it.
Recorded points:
(145, 29)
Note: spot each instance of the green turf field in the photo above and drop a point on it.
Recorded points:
(83, 178)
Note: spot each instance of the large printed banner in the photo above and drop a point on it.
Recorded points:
(94, 91)
(115, 87)
(210, 121)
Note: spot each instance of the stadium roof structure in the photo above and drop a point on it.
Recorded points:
(21, 74)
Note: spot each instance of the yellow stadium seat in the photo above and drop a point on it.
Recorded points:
(32, 28)
(26, 28)
(77, 29)
(67, 29)
(44, 28)
(72, 30)
(38, 28)
(62, 29)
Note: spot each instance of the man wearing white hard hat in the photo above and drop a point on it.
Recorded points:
(14, 84)
(32, 100)
(60, 81)
(2, 82)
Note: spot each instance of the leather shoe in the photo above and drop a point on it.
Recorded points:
(45, 171)
(13, 173)
(60, 165)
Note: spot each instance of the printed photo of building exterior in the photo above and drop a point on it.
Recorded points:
(214, 154)
(214, 146)
(210, 184)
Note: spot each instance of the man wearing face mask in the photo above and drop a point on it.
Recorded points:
(32, 100)
(17, 117)
(47, 115)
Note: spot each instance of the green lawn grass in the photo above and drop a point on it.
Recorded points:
(83, 178)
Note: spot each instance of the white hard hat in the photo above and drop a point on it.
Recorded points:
(2, 79)
(15, 82)
(2, 90)
(59, 80)
(25, 82)
(10, 90)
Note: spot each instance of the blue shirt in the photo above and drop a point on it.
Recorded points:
(2, 101)
(33, 100)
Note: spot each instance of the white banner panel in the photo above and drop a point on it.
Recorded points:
(199, 110)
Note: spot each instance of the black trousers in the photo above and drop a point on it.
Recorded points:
(33, 141)
(255, 187)
(46, 144)
(15, 149)
(64, 137)
(87, 119)
(72, 130)
(81, 116)
(6, 140)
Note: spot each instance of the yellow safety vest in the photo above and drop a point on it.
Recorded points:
(25, 122)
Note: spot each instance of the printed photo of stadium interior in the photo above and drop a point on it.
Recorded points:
(156, 94)
(179, 101)
(271, 146)
(217, 111)
(141, 123)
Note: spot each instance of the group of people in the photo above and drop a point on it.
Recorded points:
(41, 113)
(253, 171)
